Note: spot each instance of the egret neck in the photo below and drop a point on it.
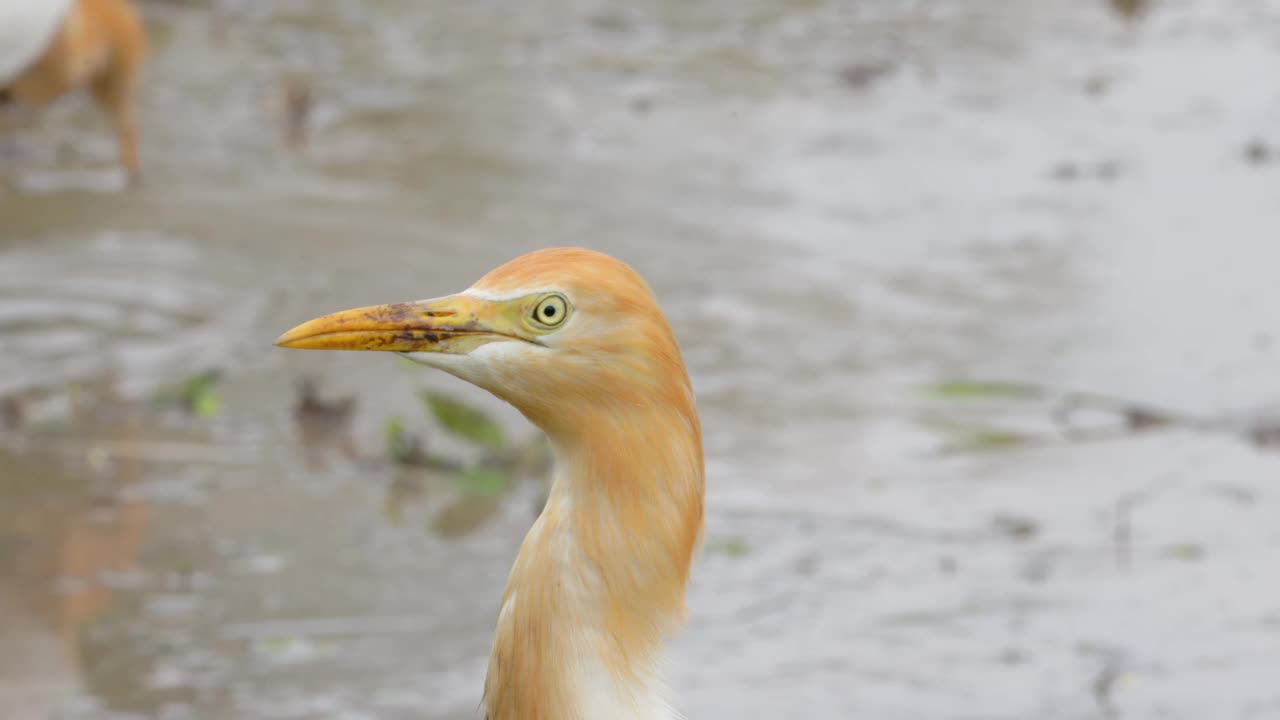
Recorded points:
(600, 578)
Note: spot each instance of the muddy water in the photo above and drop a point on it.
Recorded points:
(836, 203)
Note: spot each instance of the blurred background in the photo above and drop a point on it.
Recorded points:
(979, 299)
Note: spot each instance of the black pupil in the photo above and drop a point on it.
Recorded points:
(549, 311)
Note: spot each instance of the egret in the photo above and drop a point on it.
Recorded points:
(49, 48)
(574, 339)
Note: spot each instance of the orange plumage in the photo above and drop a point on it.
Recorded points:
(100, 45)
(575, 340)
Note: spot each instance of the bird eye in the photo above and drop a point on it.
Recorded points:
(551, 311)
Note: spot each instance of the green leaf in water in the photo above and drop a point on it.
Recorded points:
(286, 649)
(274, 645)
(200, 383)
(205, 403)
(990, 441)
(963, 437)
(393, 431)
(482, 481)
(995, 440)
(1188, 552)
(733, 547)
(465, 421)
(970, 389)
(198, 394)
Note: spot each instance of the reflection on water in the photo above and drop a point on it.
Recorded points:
(836, 203)
(71, 539)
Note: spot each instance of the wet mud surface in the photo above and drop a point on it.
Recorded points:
(839, 205)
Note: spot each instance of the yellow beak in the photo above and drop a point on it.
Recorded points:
(455, 324)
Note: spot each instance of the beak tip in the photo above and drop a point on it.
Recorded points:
(285, 340)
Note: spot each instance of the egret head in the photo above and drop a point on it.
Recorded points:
(560, 333)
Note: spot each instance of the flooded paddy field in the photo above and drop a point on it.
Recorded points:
(979, 300)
